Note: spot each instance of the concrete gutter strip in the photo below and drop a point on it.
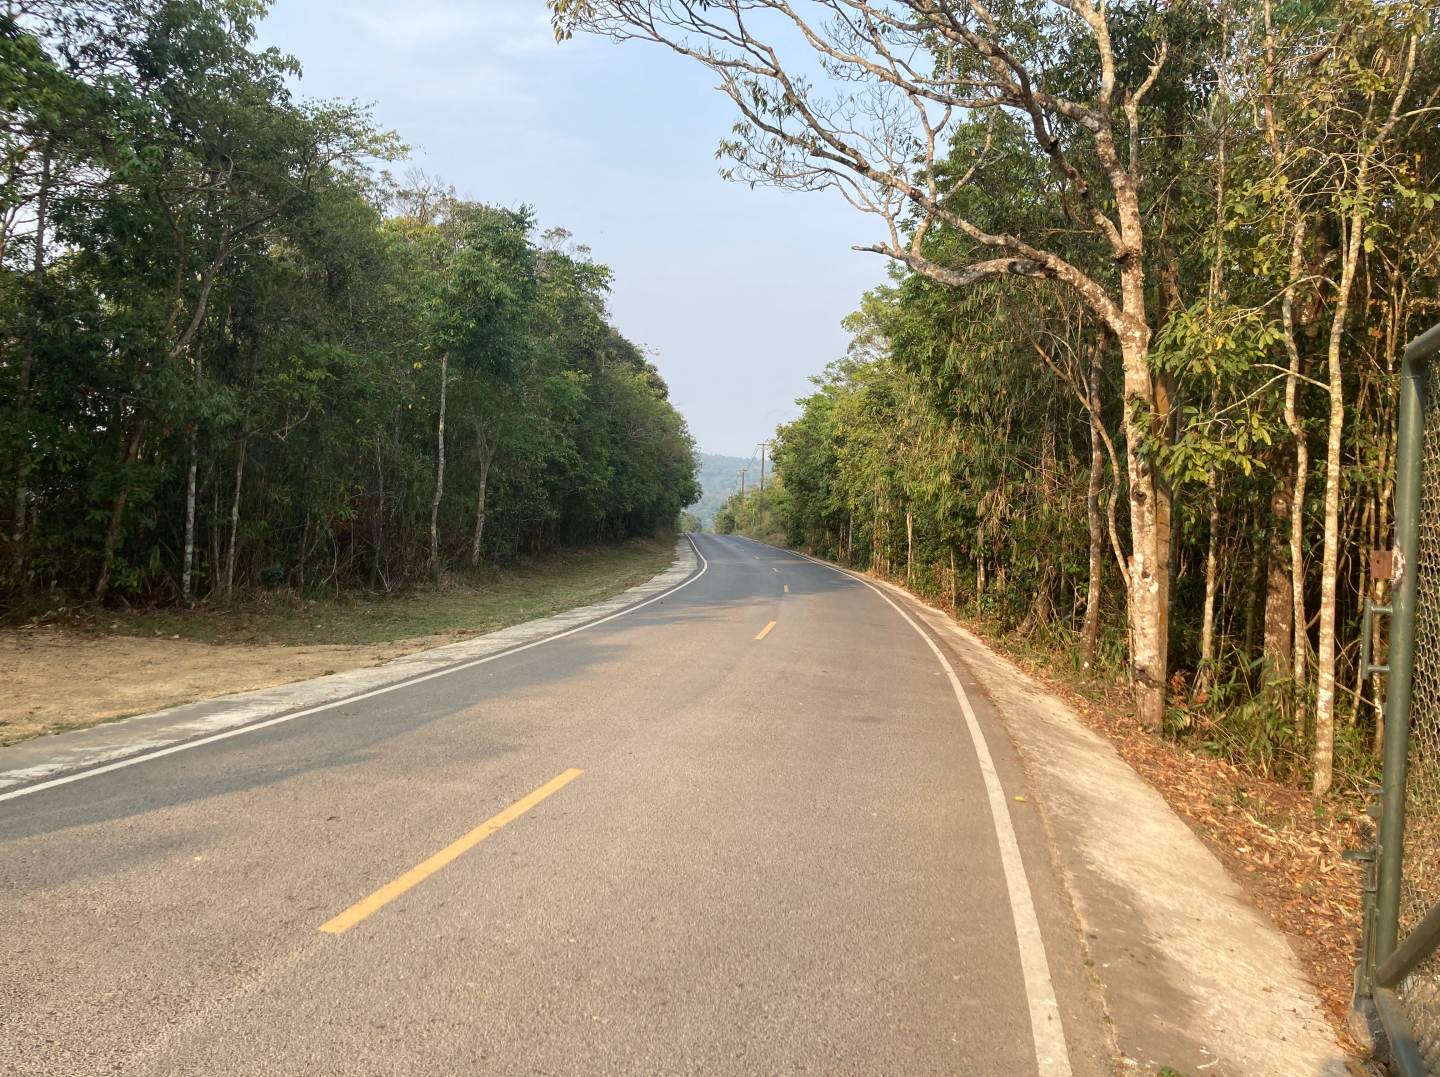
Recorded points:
(49, 757)
(1194, 976)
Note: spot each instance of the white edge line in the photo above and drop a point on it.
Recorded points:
(1051, 1054)
(345, 701)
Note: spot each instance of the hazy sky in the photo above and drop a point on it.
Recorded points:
(738, 293)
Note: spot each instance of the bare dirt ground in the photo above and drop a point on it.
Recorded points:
(79, 668)
(56, 679)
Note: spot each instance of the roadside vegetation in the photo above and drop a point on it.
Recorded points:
(69, 670)
(1281, 845)
(1131, 397)
(1128, 406)
(759, 514)
(523, 590)
(719, 477)
(239, 359)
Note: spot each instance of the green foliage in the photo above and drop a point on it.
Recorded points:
(940, 450)
(758, 514)
(952, 447)
(204, 273)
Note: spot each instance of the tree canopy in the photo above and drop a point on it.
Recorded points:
(227, 334)
(1134, 388)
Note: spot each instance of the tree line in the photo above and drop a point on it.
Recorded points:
(235, 352)
(1133, 389)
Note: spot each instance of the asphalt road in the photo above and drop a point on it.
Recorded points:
(780, 858)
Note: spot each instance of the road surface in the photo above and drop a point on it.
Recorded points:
(743, 829)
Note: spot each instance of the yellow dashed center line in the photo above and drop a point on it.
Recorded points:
(388, 893)
(787, 588)
(766, 630)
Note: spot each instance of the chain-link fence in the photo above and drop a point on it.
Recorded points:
(1419, 992)
(1397, 984)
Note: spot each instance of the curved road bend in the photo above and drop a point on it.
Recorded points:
(780, 858)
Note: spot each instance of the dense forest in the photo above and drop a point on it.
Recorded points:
(1132, 394)
(235, 353)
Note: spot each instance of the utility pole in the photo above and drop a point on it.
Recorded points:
(742, 481)
(762, 467)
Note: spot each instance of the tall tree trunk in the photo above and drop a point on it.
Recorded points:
(1206, 673)
(24, 396)
(439, 471)
(1171, 500)
(379, 518)
(1279, 597)
(1301, 643)
(215, 558)
(909, 548)
(487, 454)
(1329, 565)
(1149, 561)
(1146, 417)
(1121, 561)
(1042, 610)
(235, 518)
(1252, 592)
(188, 559)
(1090, 632)
(1330, 558)
(1325, 686)
(117, 512)
(1354, 238)
(877, 563)
(1166, 549)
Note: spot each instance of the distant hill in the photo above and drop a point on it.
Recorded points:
(718, 480)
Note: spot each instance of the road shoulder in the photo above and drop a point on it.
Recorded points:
(1193, 976)
(51, 757)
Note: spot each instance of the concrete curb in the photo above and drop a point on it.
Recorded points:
(51, 757)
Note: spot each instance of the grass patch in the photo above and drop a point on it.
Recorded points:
(82, 668)
(522, 592)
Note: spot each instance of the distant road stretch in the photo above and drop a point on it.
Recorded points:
(749, 828)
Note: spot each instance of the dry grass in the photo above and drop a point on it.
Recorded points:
(79, 669)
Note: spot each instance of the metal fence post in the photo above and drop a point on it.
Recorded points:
(1413, 375)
